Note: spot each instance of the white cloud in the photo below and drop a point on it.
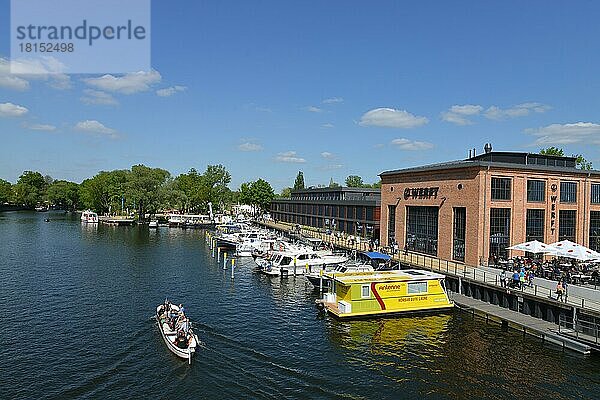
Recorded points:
(170, 91)
(557, 134)
(520, 110)
(16, 74)
(328, 125)
(330, 167)
(96, 128)
(40, 127)
(12, 110)
(289, 157)
(313, 109)
(10, 81)
(411, 145)
(127, 84)
(249, 146)
(327, 155)
(92, 96)
(457, 114)
(391, 118)
(333, 100)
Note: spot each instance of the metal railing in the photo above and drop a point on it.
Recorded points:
(581, 329)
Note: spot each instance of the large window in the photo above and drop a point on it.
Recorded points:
(568, 192)
(417, 287)
(534, 225)
(536, 190)
(391, 225)
(458, 240)
(422, 229)
(499, 232)
(595, 230)
(595, 193)
(500, 188)
(566, 225)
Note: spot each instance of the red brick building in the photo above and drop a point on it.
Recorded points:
(471, 210)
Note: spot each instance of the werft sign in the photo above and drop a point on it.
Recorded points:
(421, 193)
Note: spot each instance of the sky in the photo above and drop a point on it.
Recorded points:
(330, 88)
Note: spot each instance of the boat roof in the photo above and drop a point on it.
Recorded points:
(376, 255)
(386, 276)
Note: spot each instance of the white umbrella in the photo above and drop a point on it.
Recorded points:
(566, 248)
(534, 247)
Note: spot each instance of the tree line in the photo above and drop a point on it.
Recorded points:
(141, 190)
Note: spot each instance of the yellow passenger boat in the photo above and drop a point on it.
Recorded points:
(385, 292)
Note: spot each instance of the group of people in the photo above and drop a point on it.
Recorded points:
(175, 318)
(519, 278)
(552, 269)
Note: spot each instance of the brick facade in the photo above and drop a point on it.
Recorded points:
(468, 184)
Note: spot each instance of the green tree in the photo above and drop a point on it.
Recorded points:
(333, 184)
(143, 188)
(299, 183)
(214, 185)
(245, 193)
(376, 185)
(286, 193)
(63, 194)
(105, 192)
(191, 185)
(354, 181)
(582, 163)
(5, 191)
(261, 194)
(553, 151)
(30, 189)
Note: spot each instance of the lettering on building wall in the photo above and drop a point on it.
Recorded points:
(421, 193)
(553, 197)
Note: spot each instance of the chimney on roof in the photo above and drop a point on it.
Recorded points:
(470, 155)
(487, 148)
(474, 152)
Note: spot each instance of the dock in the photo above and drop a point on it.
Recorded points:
(573, 323)
(544, 330)
(116, 220)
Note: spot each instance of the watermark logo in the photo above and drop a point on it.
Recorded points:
(80, 36)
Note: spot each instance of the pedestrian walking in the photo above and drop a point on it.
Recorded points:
(559, 291)
(503, 278)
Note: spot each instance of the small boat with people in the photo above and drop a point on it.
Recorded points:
(176, 330)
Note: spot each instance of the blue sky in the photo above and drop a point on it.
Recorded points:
(332, 88)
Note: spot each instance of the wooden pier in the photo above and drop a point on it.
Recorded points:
(546, 331)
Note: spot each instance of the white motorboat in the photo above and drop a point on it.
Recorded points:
(320, 278)
(89, 217)
(299, 263)
(153, 224)
(176, 330)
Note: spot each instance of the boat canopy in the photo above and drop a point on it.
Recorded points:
(375, 255)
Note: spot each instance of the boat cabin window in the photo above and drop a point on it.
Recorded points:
(286, 260)
(417, 287)
(365, 292)
(303, 257)
(314, 256)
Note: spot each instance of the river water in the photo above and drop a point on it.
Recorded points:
(77, 302)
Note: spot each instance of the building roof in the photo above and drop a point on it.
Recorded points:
(525, 161)
(336, 189)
